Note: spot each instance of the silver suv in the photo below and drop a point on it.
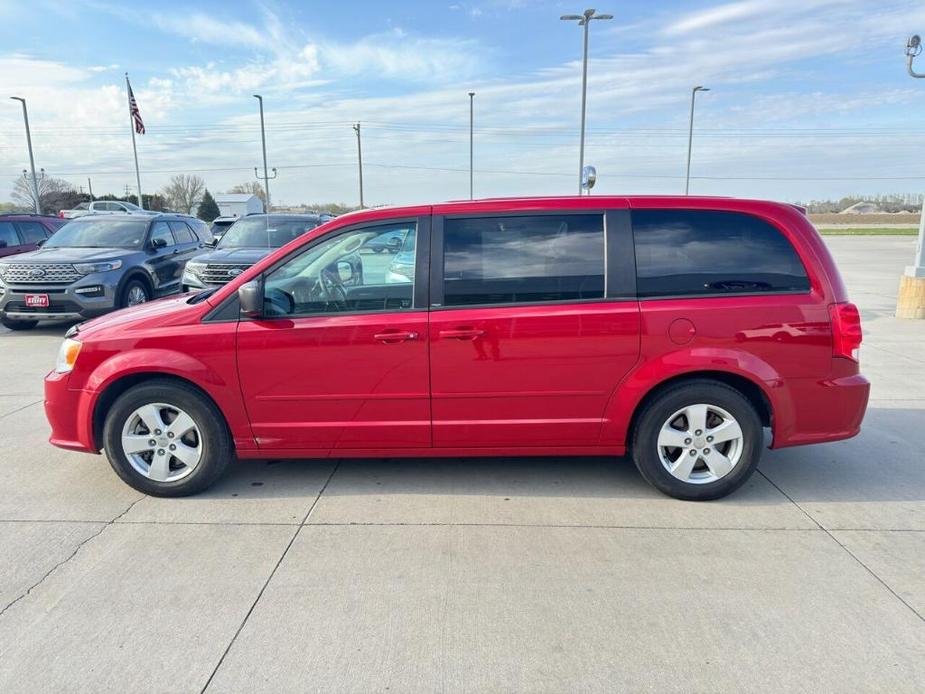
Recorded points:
(96, 264)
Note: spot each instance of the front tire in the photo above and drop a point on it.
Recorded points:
(135, 292)
(18, 324)
(698, 440)
(166, 439)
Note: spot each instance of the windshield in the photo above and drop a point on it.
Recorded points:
(131, 206)
(264, 232)
(99, 233)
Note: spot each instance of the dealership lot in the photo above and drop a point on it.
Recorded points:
(476, 575)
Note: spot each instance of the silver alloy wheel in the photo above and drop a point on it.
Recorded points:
(162, 442)
(700, 444)
(136, 295)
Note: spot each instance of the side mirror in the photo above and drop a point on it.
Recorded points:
(211, 243)
(250, 296)
(158, 243)
(40, 242)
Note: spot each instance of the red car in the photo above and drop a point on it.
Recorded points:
(21, 232)
(675, 329)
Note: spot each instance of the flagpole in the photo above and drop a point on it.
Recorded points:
(131, 124)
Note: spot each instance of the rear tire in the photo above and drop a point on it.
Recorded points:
(18, 324)
(698, 440)
(166, 438)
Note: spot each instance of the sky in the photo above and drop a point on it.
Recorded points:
(809, 99)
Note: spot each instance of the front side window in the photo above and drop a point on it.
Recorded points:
(99, 232)
(536, 258)
(161, 231)
(333, 277)
(181, 232)
(705, 252)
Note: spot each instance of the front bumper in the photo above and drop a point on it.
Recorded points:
(68, 413)
(65, 302)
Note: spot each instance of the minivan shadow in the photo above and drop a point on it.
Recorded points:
(881, 464)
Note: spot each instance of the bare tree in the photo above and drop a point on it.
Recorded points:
(54, 193)
(252, 187)
(184, 192)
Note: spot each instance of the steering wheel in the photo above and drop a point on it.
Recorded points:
(334, 289)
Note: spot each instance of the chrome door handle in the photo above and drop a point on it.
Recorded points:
(396, 336)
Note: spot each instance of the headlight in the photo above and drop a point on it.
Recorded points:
(195, 268)
(90, 268)
(67, 356)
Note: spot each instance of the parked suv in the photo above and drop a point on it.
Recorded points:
(95, 264)
(673, 328)
(249, 240)
(23, 232)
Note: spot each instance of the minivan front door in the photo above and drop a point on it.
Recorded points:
(339, 362)
(531, 329)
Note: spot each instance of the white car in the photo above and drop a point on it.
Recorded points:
(103, 207)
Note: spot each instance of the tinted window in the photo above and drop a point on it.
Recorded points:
(8, 235)
(332, 277)
(162, 231)
(32, 232)
(99, 232)
(181, 232)
(502, 260)
(696, 252)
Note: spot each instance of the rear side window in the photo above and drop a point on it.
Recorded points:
(8, 235)
(536, 258)
(702, 252)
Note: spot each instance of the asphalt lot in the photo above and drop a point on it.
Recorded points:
(533, 575)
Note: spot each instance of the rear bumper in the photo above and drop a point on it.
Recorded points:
(68, 413)
(821, 411)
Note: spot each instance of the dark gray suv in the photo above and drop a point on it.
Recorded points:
(96, 264)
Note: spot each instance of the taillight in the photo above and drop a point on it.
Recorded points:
(846, 330)
(61, 214)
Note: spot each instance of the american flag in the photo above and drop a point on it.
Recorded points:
(133, 110)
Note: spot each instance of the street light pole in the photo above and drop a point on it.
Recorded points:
(910, 302)
(35, 181)
(356, 128)
(690, 138)
(471, 145)
(584, 20)
(263, 140)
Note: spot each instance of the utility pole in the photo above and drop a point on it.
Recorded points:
(263, 140)
(356, 128)
(584, 20)
(90, 188)
(690, 137)
(35, 181)
(911, 300)
(471, 145)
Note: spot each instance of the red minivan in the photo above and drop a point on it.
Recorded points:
(675, 329)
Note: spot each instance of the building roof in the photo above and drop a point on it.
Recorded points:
(235, 197)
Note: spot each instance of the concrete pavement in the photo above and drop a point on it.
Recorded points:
(539, 575)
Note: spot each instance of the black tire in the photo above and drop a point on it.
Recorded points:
(18, 324)
(131, 285)
(645, 449)
(217, 449)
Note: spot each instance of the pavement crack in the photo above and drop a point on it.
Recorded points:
(69, 557)
(270, 577)
(20, 409)
(845, 548)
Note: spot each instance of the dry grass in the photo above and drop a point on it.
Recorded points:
(911, 218)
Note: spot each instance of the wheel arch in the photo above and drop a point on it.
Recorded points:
(752, 392)
(135, 273)
(115, 388)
